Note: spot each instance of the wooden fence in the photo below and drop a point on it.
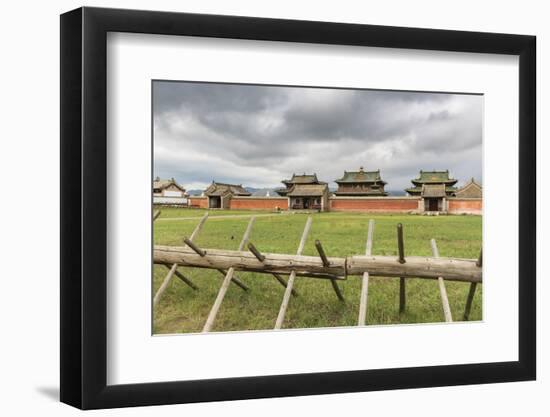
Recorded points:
(333, 269)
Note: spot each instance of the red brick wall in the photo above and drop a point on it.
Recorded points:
(374, 204)
(465, 205)
(251, 203)
(200, 202)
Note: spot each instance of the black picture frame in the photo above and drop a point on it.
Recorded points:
(84, 207)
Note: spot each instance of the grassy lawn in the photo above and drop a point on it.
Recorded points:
(183, 310)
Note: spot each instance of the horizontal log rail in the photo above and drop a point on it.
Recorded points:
(311, 266)
(453, 269)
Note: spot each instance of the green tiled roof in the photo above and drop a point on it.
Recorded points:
(360, 176)
(433, 177)
(303, 179)
(418, 190)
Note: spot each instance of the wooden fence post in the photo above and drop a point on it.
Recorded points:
(226, 281)
(401, 260)
(442, 289)
(202, 253)
(365, 281)
(326, 263)
(291, 278)
(170, 274)
(472, 291)
(164, 284)
(156, 214)
(261, 258)
(183, 278)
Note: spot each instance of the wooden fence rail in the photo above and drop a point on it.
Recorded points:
(453, 269)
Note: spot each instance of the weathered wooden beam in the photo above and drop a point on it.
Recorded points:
(469, 301)
(256, 252)
(322, 254)
(156, 214)
(234, 280)
(195, 248)
(284, 283)
(183, 278)
(202, 254)
(261, 258)
(166, 281)
(326, 263)
(164, 285)
(291, 278)
(442, 289)
(226, 282)
(365, 281)
(472, 291)
(453, 269)
(245, 261)
(198, 227)
(401, 260)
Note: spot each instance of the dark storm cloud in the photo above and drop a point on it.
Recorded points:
(258, 135)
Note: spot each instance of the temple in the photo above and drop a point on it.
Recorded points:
(434, 187)
(361, 183)
(219, 194)
(305, 192)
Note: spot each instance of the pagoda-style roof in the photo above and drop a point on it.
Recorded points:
(160, 184)
(221, 189)
(308, 190)
(470, 190)
(418, 190)
(434, 177)
(303, 179)
(360, 176)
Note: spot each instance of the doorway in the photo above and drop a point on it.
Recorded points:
(214, 202)
(433, 204)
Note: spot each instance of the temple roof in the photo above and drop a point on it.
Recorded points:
(159, 184)
(434, 177)
(418, 189)
(470, 190)
(220, 188)
(303, 179)
(307, 190)
(360, 176)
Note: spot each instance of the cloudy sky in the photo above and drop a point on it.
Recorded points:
(259, 135)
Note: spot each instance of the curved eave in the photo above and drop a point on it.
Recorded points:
(340, 181)
(446, 182)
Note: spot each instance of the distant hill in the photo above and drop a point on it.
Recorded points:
(261, 192)
(194, 192)
(396, 193)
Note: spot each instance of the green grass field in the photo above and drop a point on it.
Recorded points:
(182, 309)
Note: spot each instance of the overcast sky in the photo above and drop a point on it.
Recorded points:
(259, 135)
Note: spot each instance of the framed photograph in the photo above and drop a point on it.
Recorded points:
(258, 208)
